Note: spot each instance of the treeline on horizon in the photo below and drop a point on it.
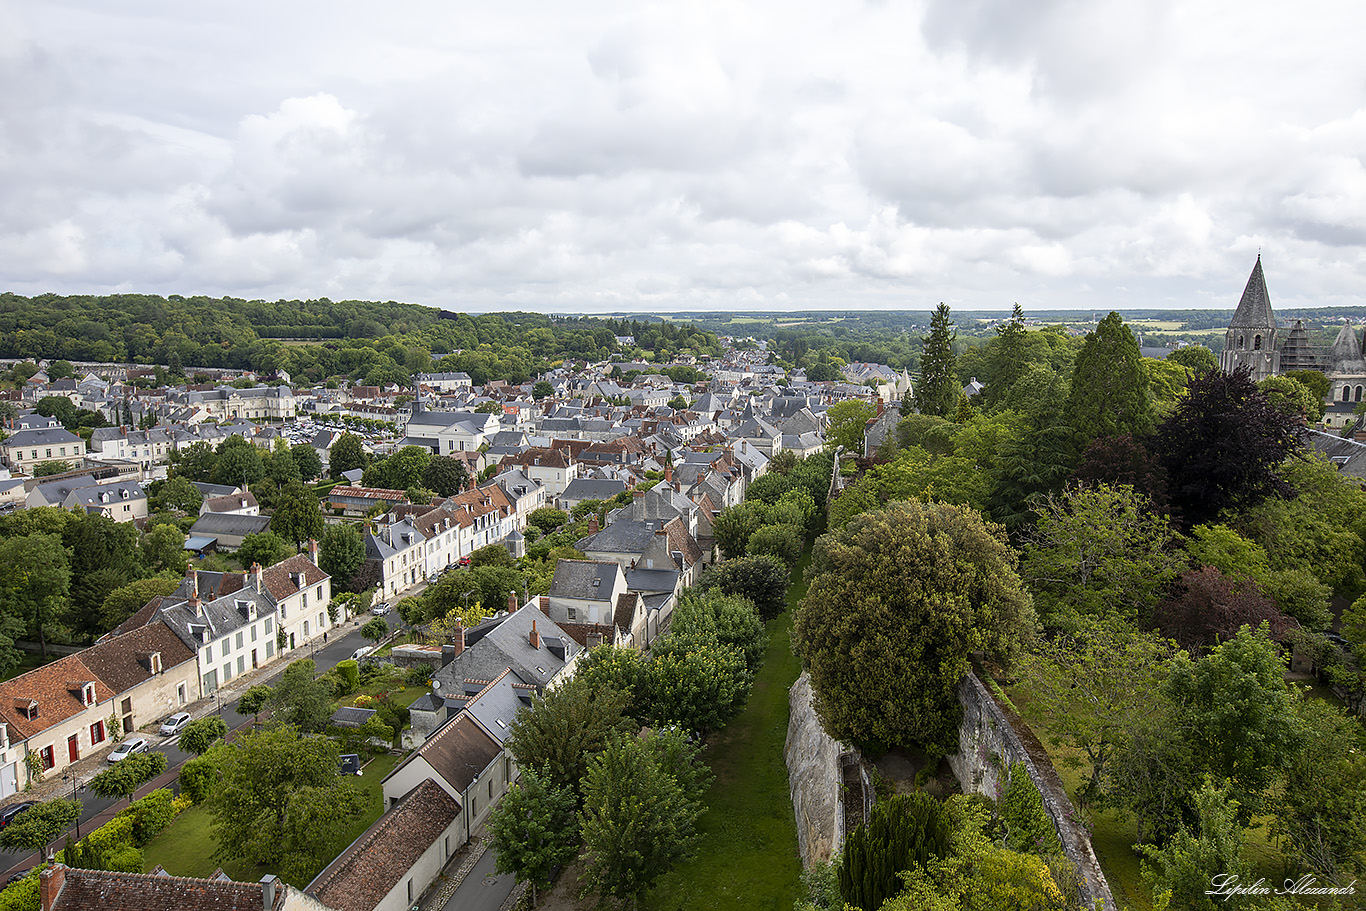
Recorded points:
(364, 341)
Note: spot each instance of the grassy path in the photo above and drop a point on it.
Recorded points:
(747, 857)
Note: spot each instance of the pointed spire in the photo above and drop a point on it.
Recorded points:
(1347, 356)
(1254, 309)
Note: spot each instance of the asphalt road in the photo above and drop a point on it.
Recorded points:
(482, 889)
(338, 648)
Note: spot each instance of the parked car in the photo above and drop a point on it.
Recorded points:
(173, 724)
(464, 561)
(7, 815)
(380, 609)
(348, 764)
(128, 748)
(362, 652)
(18, 875)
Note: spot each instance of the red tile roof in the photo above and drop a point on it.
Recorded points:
(102, 890)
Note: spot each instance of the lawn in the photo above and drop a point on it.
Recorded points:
(1113, 835)
(186, 847)
(747, 859)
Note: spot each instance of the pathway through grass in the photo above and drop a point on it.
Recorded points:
(747, 855)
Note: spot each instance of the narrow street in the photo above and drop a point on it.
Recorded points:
(482, 889)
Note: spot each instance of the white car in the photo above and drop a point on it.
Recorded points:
(128, 748)
(380, 609)
(362, 652)
(173, 724)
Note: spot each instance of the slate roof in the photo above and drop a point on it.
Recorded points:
(377, 861)
(585, 580)
(623, 536)
(43, 436)
(214, 524)
(83, 890)
(506, 643)
(1254, 309)
(498, 703)
(593, 489)
(349, 716)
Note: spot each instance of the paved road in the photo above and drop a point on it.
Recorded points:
(482, 889)
(96, 810)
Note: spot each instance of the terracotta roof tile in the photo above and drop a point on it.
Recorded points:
(377, 861)
(84, 890)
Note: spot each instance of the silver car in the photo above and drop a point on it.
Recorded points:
(128, 748)
(173, 724)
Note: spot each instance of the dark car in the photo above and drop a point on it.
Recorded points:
(348, 764)
(7, 815)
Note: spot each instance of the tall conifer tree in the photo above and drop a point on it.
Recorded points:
(938, 391)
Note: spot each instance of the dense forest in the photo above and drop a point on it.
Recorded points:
(364, 341)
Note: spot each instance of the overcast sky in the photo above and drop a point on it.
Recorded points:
(653, 156)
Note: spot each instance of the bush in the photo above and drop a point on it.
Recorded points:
(348, 672)
(151, 814)
(99, 847)
(418, 675)
(1027, 825)
(198, 777)
(23, 895)
(901, 833)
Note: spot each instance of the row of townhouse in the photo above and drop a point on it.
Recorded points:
(236, 622)
(414, 543)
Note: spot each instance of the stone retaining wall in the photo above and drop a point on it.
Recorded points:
(989, 743)
(814, 778)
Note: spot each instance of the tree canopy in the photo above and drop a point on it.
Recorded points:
(897, 601)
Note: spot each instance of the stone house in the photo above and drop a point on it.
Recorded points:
(62, 711)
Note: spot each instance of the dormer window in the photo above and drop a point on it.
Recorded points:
(89, 694)
(26, 707)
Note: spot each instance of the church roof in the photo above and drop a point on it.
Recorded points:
(1254, 310)
(1347, 357)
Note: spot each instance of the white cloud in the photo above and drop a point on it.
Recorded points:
(614, 155)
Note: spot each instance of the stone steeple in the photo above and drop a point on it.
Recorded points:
(1347, 357)
(1251, 337)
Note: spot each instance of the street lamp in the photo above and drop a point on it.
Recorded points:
(218, 704)
(74, 779)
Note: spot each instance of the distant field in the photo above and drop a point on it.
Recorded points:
(1157, 324)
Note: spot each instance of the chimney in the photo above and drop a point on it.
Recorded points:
(313, 550)
(593, 524)
(269, 885)
(50, 883)
(535, 636)
(544, 601)
(668, 473)
(512, 603)
(458, 634)
(256, 577)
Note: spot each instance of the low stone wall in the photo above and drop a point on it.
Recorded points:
(814, 777)
(989, 742)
